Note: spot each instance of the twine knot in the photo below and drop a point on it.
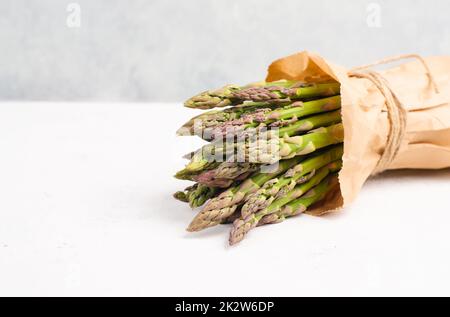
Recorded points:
(397, 114)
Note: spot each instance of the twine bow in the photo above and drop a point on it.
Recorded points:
(397, 114)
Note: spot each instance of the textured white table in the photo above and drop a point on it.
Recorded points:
(86, 209)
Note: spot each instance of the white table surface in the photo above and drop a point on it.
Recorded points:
(86, 209)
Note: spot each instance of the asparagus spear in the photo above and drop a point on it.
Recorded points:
(242, 226)
(196, 195)
(302, 109)
(279, 187)
(232, 94)
(223, 97)
(310, 123)
(224, 205)
(281, 94)
(300, 205)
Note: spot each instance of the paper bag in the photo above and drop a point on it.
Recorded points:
(426, 144)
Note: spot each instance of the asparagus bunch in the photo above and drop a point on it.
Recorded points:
(274, 150)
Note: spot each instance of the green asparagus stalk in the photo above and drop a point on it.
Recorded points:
(301, 204)
(196, 195)
(310, 142)
(221, 207)
(310, 123)
(242, 226)
(281, 94)
(271, 91)
(279, 187)
(302, 109)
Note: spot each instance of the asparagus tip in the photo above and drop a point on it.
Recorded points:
(181, 196)
(194, 226)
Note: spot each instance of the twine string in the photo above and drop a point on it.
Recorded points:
(397, 114)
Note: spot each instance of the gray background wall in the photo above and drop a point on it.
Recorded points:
(166, 50)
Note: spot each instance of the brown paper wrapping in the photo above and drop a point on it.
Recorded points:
(427, 141)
